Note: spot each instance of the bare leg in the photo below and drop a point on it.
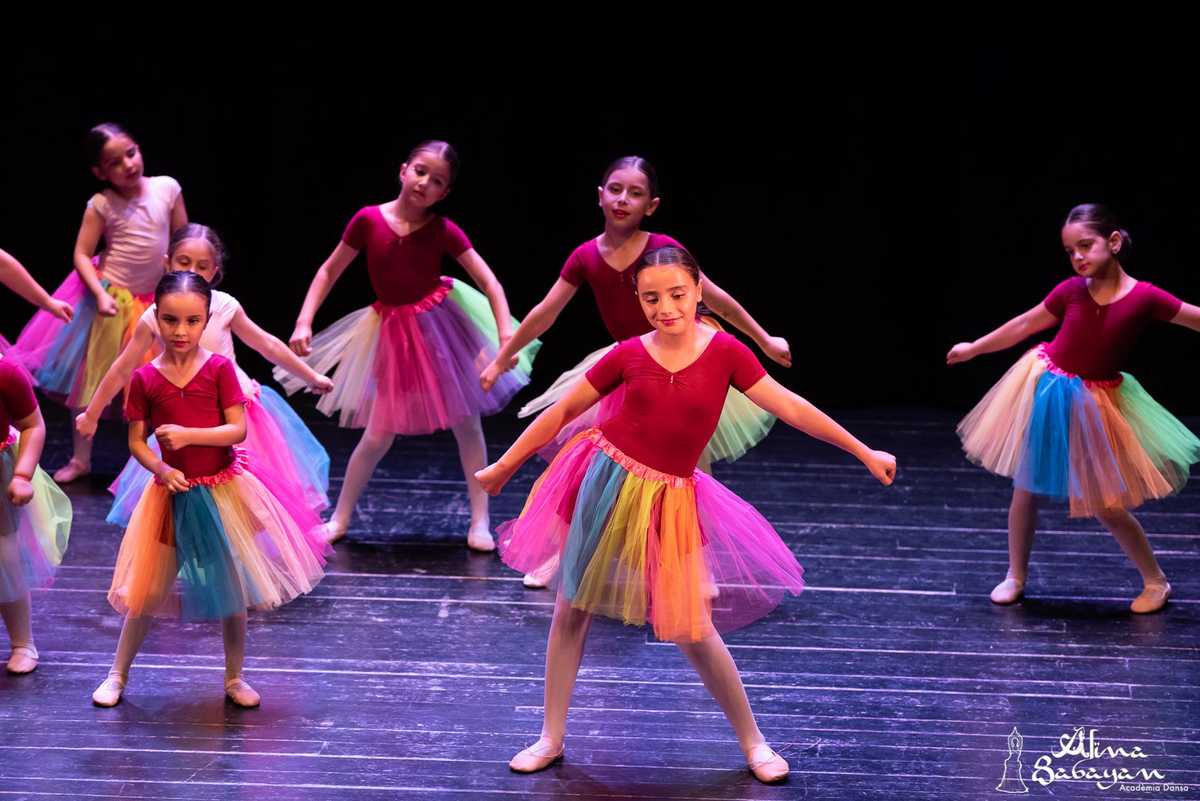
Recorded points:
(370, 449)
(717, 670)
(472, 452)
(1128, 533)
(564, 652)
(1022, 523)
(233, 631)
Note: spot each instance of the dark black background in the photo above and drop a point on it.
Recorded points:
(872, 209)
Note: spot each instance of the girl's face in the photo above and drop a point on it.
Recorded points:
(425, 180)
(120, 163)
(1090, 253)
(669, 297)
(181, 319)
(196, 256)
(625, 198)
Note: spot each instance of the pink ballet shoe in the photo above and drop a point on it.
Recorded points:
(533, 758)
(24, 659)
(71, 471)
(110, 690)
(766, 765)
(481, 540)
(1154, 597)
(241, 693)
(1008, 591)
(332, 531)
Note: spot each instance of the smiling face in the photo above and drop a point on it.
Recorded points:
(196, 256)
(669, 296)
(625, 198)
(425, 179)
(1090, 252)
(120, 163)
(181, 317)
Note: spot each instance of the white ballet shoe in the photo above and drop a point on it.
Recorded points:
(766, 765)
(24, 659)
(110, 690)
(1154, 597)
(241, 693)
(535, 758)
(1008, 591)
(540, 577)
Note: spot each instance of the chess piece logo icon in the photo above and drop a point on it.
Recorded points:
(1012, 781)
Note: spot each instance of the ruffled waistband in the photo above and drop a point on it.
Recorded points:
(426, 303)
(633, 465)
(1108, 383)
(236, 467)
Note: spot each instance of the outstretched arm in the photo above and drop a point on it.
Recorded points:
(14, 276)
(327, 275)
(115, 379)
(538, 322)
(544, 428)
(273, 350)
(794, 410)
(1015, 330)
(720, 301)
(1188, 316)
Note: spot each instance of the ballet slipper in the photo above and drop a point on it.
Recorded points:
(480, 539)
(540, 577)
(533, 758)
(71, 471)
(766, 765)
(1154, 597)
(332, 531)
(24, 659)
(1008, 591)
(110, 690)
(241, 693)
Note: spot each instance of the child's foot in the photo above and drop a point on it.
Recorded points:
(1008, 591)
(71, 471)
(109, 691)
(766, 765)
(23, 660)
(241, 693)
(480, 539)
(333, 531)
(1154, 597)
(540, 576)
(538, 756)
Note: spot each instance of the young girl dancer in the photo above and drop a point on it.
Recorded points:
(641, 535)
(236, 535)
(135, 215)
(35, 515)
(275, 435)
(409, 363)
(14, 276)
(627, 195)
(1065, 422)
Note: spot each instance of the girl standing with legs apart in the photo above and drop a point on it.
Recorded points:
(409, 363)
(236, 536)
(135, 216)
(641, 534)
(1064, 422)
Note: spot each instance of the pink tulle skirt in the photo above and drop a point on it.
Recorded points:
(682, 554)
